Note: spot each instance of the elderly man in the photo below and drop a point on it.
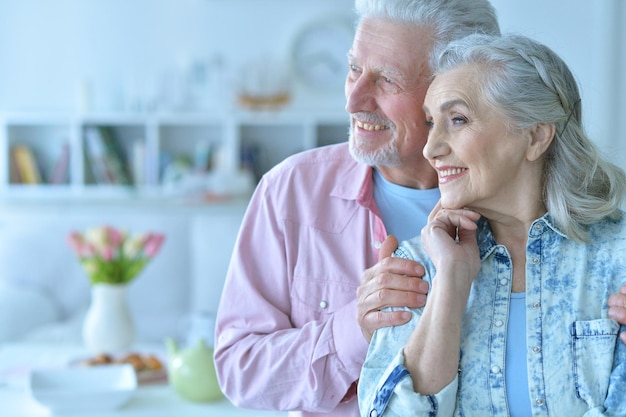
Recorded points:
(287, 334)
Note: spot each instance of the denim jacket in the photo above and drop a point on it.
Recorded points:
(576, 363)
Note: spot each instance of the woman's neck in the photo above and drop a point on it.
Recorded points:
(512, 232)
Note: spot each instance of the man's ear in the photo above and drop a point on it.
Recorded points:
(541, 136)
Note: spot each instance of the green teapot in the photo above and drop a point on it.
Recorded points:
(191, 372)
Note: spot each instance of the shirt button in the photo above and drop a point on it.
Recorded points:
(535, 261)
(539, 401)
(537, 227)
(504, 281)
(499, 323)
(373, 413)
(377, 245)
(324, 304)
(495, 369)
(536, 305)
(536, 349)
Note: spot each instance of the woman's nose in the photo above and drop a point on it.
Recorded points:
(436, 145)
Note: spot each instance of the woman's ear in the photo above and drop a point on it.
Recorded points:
(541, 136)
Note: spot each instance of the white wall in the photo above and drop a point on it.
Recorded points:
(126, 48)
(47, 48)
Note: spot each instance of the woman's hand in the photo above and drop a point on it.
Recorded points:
(449, 238)
(617, 309)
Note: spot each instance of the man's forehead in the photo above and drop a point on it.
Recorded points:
(382, 46)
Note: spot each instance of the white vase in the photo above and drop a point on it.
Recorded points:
(108, 325)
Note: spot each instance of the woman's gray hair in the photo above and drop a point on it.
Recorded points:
(449, 19)
(527, 83)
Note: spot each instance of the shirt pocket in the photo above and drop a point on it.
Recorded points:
(317, 299)
(593, 345)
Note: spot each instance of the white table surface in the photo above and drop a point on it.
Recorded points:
(151, 400)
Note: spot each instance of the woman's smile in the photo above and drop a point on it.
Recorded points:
(448, 174)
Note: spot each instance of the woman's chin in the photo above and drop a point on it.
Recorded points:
(452, 204)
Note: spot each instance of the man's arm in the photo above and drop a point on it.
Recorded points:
(392, 282)
(270, 351)
(617, 309)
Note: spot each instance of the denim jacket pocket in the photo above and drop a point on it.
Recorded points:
(593, 346)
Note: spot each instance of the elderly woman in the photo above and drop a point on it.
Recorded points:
(521, 253)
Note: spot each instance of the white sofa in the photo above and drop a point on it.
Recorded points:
(44, 293)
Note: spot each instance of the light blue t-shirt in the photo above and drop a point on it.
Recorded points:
(515, 369)
(404, 210)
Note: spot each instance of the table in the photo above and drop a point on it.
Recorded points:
(153, 400)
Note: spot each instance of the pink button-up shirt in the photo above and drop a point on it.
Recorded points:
(287, 334)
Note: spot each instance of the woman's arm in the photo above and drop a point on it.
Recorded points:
(432, 351)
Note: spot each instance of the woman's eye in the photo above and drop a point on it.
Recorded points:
(458, 120)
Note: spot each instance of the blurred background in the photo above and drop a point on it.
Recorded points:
(189, 76)
(139, 54)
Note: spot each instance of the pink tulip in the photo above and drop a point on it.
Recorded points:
(152, 244)
(115, 237)
(91, 250)
(107, 253)
(74, 239)
(78, 244)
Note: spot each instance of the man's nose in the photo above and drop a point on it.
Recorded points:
(359, 95)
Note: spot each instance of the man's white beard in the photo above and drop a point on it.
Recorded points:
(386, 155)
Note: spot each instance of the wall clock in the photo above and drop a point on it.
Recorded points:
(319, 53)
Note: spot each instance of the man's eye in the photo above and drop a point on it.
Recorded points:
(388, 80)
(353, 68)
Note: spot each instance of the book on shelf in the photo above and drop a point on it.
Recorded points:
(14, 173)
(26, 170)
(105, 158)
(137, 162)
(60, 171)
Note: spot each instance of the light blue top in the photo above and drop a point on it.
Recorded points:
(576, 363)
(404, 210)
(515, 369)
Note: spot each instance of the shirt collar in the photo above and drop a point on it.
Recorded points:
(487, 243)
(358, 185)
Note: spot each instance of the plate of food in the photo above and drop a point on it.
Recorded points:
(148, 367)
(83, 389)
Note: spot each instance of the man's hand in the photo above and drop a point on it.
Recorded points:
(392, 282)
(617, 309)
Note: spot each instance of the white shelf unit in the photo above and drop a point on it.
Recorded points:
(240, 137)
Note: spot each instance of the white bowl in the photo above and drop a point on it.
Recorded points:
(83, 389)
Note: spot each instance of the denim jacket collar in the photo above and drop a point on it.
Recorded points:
(487, 243)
